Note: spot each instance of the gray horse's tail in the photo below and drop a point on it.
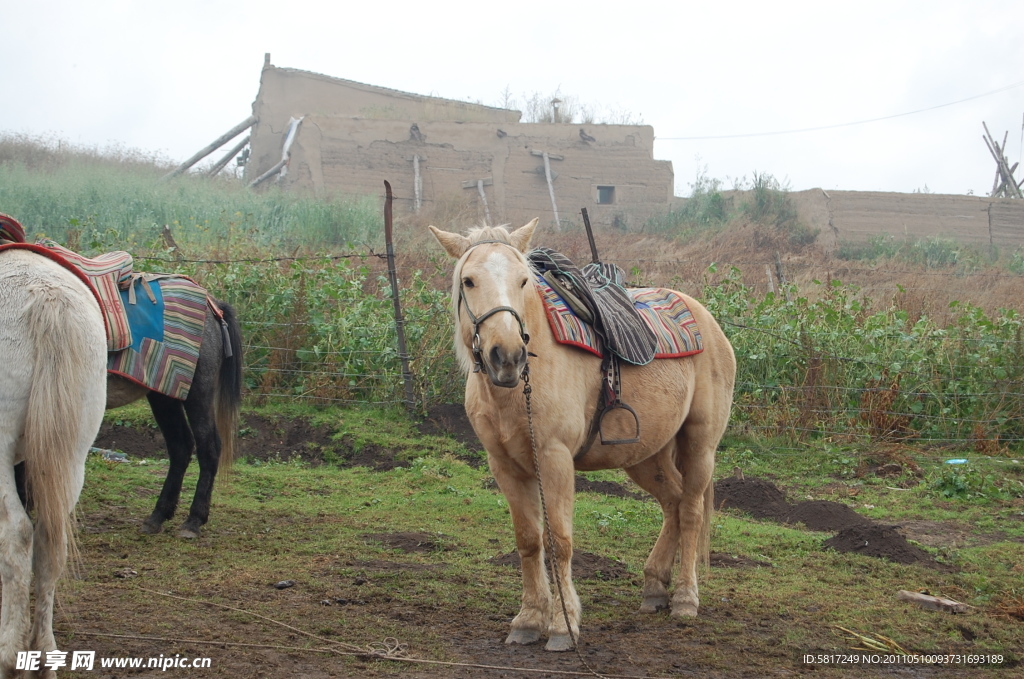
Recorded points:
(229, 393)
(63, 372)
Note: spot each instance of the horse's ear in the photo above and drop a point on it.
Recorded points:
(454, 244)
(521, 237)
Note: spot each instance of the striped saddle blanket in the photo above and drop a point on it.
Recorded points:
(154, 321)
(155, 341)
(664, 311)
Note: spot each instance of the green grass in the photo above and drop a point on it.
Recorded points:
(310, 523)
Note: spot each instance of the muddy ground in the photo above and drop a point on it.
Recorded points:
(728, 639)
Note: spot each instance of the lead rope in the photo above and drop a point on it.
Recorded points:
(528, 392)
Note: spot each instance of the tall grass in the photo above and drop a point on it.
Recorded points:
(103, 202)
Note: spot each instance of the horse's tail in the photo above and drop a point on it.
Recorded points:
(70, 353)
(704, 541)
(229, 392)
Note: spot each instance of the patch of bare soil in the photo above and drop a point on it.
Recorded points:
(263, 438)
(412, 542)
(584, 565)
(854, 533)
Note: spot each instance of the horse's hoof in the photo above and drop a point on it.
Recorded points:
(150, 528)
(559, 643)
(188, 533)
(684, 610)
(523, 636)
(653, 604)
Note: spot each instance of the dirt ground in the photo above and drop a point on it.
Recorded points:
(618, 641)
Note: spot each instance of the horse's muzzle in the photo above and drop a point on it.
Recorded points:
(504, 367)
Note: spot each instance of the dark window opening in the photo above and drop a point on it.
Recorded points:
(605, 195)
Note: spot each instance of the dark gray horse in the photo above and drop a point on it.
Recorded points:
(206, 421)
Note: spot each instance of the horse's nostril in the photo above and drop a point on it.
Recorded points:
(495, 356)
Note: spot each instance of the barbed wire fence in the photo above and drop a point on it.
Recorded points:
(342, 351)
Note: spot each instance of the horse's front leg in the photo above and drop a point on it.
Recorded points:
(519, 486)
(558, 485)
(540, 614)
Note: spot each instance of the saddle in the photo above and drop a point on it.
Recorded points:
(597, 296)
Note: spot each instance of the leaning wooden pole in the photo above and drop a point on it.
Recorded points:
(551, 189)
(213, 146)
(222, 163)
(403, 354)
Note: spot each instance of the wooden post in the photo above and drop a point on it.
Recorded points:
(781, 275)
(550, 177)
(417, 183)
(403, 354)
(483, 199)
(1005, 183)
(281, 165)
(213, 146)
(228, 156)
(479, 185)
(771, 282)
(551, 190)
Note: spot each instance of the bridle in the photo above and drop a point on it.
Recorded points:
(478, 364)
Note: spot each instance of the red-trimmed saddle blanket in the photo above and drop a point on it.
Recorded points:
(664, 311)
(154, 322)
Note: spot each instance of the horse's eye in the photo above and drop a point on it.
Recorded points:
(523, 284)
(467, 282)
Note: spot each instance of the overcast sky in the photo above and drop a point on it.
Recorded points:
(168, 78)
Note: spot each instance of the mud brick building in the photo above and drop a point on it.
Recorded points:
(354, 136)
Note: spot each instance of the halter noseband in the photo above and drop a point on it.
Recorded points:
(478, 364)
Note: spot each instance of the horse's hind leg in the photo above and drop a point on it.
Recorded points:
(659, 477)
(695, 457)
(170, 416)
(15, 562)
(199, 407)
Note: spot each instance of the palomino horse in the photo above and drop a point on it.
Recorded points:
(683, 404)
(52, 389)
(206, 421)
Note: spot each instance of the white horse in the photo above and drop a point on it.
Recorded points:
(684, 404)
(53, 379)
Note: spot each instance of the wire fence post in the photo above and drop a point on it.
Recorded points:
(403, 354)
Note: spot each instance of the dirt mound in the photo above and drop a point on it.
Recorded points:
(855, 533)
(584, 565)
(449, 419)
(757, 497)
(823, 515)
(881, 541)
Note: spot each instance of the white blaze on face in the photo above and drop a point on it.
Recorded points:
(499, 268)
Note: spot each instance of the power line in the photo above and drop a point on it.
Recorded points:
(851, 124)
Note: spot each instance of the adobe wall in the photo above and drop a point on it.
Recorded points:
(859, 216)
(336, 154)
(355, 136)
(286, 92)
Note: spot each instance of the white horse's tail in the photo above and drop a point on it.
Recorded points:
(55, 409)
